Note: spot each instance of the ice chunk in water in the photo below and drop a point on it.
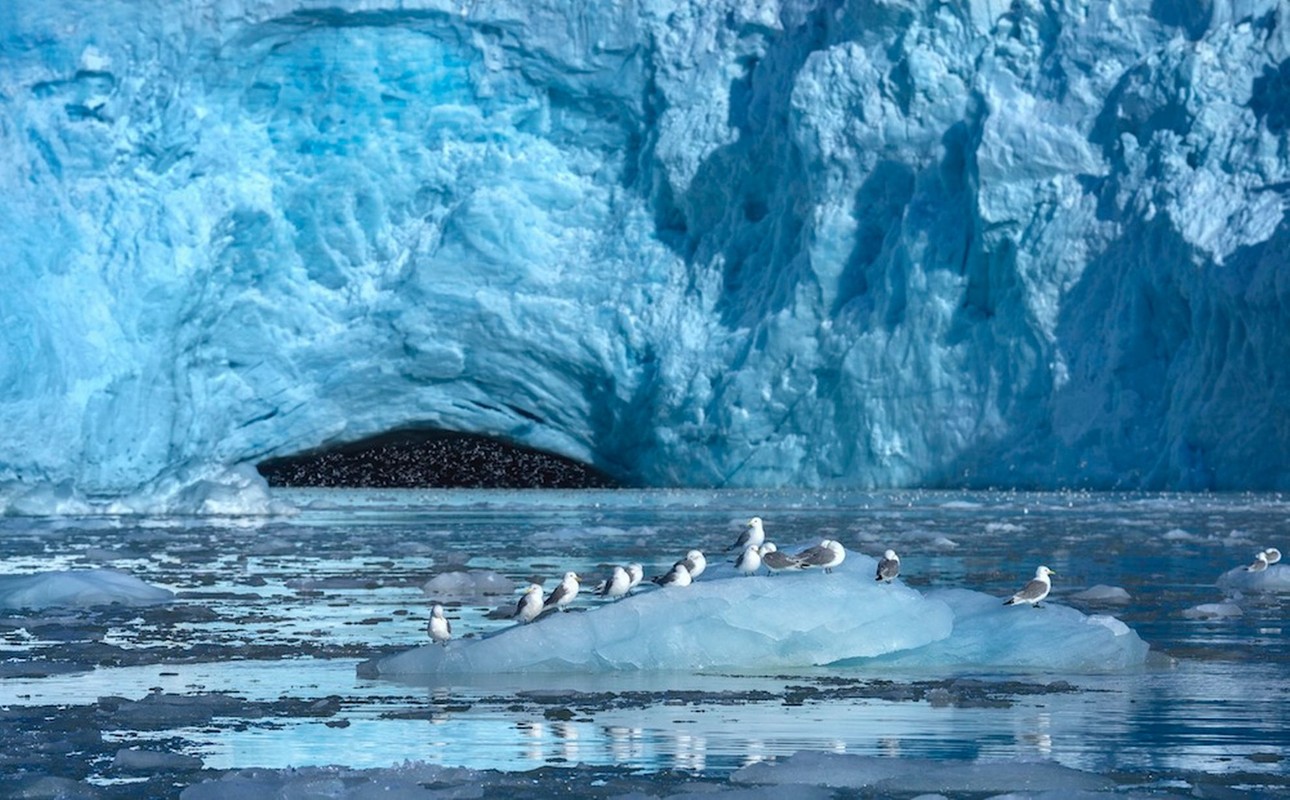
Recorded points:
(1213, 611)
(468, 584)
(911, 775)
(795, 620)
(78, 588)
(741, 622)
(1275, 578)
(1053, 637)
(1102, 593)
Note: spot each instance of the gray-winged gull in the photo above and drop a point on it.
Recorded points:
(676, 577)
(530, 605)
(619, 584)
(563, 594)
(827, 554)
(776, 561)
(440, 628)
(753, 536)
(888, 567)
(749, 560)
(694, 563)
(1034, 591)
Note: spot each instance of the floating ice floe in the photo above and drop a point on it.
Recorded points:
(991, 635)
(74, 588)
(908, 776)
(1275, 578)
(1102, 593)
(468, 584)
(797, 620)
(1213, 611)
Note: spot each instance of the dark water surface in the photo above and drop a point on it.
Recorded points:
(255, 662)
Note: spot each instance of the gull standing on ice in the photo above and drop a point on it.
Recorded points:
(636, 573)
(1034, 591)
(776, 561)
(749, 560)
(530, 605)
(563, 594)
(440, 628)
(677, 576)
(619, 584)
(888, 567)
(694, 563)
(753, 536)
(1260, 562)
(827, 554)
(1273, 554)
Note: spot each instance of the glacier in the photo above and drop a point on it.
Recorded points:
(708, 243)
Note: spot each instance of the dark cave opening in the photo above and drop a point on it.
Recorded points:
(431, 459)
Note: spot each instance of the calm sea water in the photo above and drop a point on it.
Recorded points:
(255, 663)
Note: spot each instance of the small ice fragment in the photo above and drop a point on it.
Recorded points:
(1213, 611)
(1101, 593)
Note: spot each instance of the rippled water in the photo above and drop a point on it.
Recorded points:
(255, 663)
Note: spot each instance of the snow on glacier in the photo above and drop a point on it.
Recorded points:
(790, 620)
(716, 243)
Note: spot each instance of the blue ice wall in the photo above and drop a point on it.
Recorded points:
(697, 242)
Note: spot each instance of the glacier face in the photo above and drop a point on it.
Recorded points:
(688, 242)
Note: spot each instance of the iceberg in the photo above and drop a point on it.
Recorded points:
(1275, 578)
(759, 623)
(687, 243)
(78, 588)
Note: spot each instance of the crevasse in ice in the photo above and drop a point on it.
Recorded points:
(689, 242)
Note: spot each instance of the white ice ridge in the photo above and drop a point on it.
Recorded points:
(76, 588)
(790, 620)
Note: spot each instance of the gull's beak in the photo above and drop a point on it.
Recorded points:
(578, 579)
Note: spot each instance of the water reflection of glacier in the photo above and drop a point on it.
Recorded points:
(254, 661)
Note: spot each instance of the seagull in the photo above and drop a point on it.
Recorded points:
(749, 560)
(1034, 591)
(776, 561)
(1273, 554)
(440, 628)
(619, 584)
(530, 605)
(888, 567)
(694, 563)
(636, 573)
(677, 576)
(827, 554)
(753, 536)
(1260, 562)
(563, 594)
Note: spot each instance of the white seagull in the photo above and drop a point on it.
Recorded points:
(753, 536)
(677, 576)
(749, 560)
(530, 605)
(1260, 562)
(1034, 591)
(694, 563)
(619, 584)
(563, 594)
(888, 567)
(827, 554)
(636, 573)
(1273, 554)
(776, 561)
(440, 628)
